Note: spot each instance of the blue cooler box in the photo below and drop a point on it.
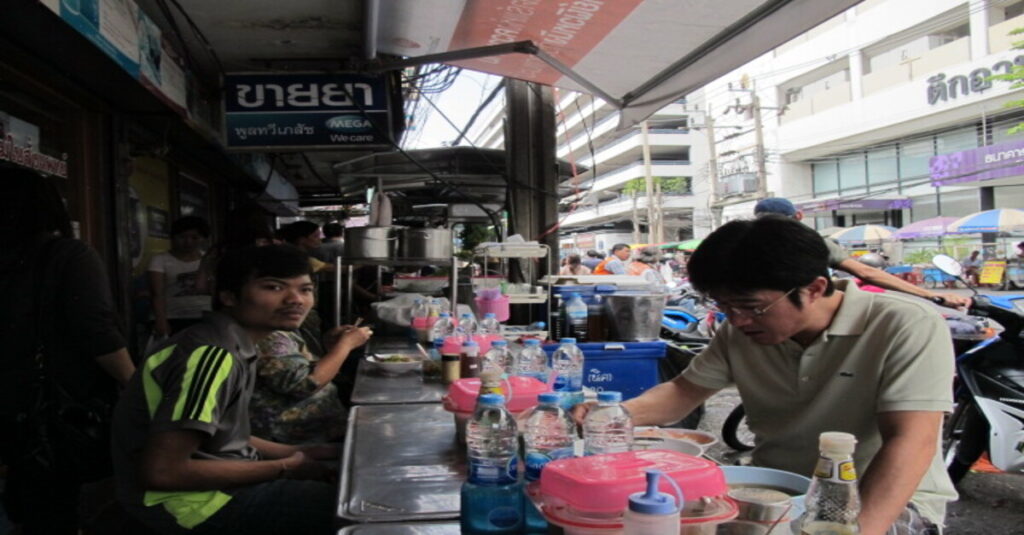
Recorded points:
(627, 367)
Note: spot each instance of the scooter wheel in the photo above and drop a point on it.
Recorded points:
(964, 439)
(735, 432)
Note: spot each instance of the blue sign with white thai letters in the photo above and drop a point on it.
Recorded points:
(306, 111)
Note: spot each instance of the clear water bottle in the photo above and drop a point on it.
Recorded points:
(532, 361)
(567, 365)
(498, 357)
(434, 309)
(549, 434)
(467, 326)
(443, 327)
(833, 502)
(490, 324)
(574, 318)
(607, 428)
(420, 309)
(492, 497)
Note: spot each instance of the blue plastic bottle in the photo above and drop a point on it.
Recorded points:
(492, 497)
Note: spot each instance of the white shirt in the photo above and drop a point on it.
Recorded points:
(183, 301)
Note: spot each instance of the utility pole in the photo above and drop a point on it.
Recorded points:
(652, 209)
(709, 129)
(762, 172)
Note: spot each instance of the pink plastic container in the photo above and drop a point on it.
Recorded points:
(453, 345)
(498, 306)
(462, 394)
(588, 495)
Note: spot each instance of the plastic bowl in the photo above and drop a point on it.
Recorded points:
(701, 438)
(663, 443)
(769, 478)
(378, 362)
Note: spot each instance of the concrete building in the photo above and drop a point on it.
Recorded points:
(598, 206)
(884, 114)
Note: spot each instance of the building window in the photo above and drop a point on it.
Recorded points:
(1000, 131)
(959, 203)
(826, 177)
(852, 172)
(956, 140)
(882, 166)
(1009, 196)
(924, 207)
(914, 156)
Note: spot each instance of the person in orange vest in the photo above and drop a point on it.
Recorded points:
(615, 264)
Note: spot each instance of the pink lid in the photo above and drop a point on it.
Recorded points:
(603, 483)
(462, 394)
(421, 323)
(453, 345)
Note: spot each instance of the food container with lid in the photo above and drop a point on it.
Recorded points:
(589, 495)
(462, 394)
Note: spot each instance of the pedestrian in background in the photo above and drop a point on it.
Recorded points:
(173, 278)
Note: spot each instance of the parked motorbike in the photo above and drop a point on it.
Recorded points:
(989, 391)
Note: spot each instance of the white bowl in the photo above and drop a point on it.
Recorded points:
(379, 363)
(701, 438)
(662, 443)
(770, 478)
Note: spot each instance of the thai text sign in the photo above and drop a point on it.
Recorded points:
(982, 163)
(992, 272)
(304, 111)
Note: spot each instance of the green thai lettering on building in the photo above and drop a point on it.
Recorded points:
(206, 370)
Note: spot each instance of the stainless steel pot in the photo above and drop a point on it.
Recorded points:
(425, 243)
(634, 318)
(371, 243)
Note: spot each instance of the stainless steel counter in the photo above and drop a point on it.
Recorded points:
(410, 528)
(401, 462)
(374, 388)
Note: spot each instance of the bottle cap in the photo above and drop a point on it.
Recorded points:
(567, 340)
(653, 502)
(609, 396)
(469, 343)
(837, 442)
(574, 295)
(490, 315)
(492, 399)
(499, 343)
(445, 315)
(548, 397)
(532, 342)
(466, 315)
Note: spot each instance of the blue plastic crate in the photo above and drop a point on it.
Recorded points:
(627, 367)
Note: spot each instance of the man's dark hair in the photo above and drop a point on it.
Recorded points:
(30, 205)
(294, 232)
(769, 253)
(593, 254)
(619, 246)
(240, 266)
(333, 230)
(191, 222)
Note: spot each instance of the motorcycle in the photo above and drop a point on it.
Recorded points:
(989, 390)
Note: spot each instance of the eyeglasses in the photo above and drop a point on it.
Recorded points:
(749, 312)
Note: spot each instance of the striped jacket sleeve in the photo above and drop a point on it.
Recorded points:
(191, 392)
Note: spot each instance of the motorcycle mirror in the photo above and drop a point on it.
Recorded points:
(948, 265)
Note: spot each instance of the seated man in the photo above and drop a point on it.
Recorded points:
(809, 357)
(184, 459)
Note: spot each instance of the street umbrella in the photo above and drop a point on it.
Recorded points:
(864, 234)
(828, 231)
(998, 220)
(932, 227)
(689, 245)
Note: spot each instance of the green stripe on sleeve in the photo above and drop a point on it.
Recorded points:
(205, 371)
(150, 387)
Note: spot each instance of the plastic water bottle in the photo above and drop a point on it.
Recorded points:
(490, 324)
(492, 497)
(420, 309)
(549, 434)
(653, 512)
(532, 361)
(833, 502)
(498, 357)
(574, 317)
(467, 327)
(443, 327)
(567, 365)
(608, 428)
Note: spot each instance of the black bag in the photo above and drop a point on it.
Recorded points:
(61, 431)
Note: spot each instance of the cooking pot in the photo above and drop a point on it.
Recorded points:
(425, 243)
(371, 243)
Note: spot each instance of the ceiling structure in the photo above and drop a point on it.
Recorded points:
(637, 54)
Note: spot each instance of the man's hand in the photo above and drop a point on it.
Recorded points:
(322, 452)
(958, 302)
(302, 466)
(349, 335)
(580, 411)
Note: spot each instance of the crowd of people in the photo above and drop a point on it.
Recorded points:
(231, 421)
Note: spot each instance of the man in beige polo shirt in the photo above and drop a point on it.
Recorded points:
(809, 356)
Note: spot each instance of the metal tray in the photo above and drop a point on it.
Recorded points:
(415, 528)
(401, 463)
